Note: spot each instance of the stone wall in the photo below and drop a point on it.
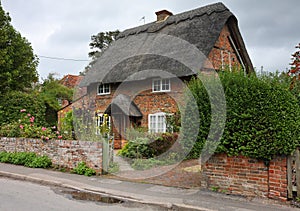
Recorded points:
(63, 153)
(245, 176)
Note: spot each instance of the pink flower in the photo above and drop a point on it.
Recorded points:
(42, 137)
(22, 110)
(32, 119)
(43, 128)
(28, 114)
(60, 137)
(47, 138)
(21, 126)
(57, 132)
(54, 127)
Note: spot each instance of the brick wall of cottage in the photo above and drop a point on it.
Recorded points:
(141, 94)
(63, 153)
(223, 49)
(246, 176)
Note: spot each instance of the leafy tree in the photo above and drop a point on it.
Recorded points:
(17, 61)
(99, 43)
(295, 65)
(51, 91)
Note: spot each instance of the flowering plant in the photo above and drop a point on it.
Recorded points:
(26, 127)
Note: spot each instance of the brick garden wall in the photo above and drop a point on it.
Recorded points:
(244, 176)
(63, 153)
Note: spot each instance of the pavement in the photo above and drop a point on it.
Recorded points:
(170, 198)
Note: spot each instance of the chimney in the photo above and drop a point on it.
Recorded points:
(163, 15)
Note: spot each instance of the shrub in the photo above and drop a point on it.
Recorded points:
(13, 102)
(83, 169)
(28, 159)
(263, 117)
(163, 143)
(28, 127)
(139, 148)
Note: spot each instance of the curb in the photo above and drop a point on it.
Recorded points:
(171, 206)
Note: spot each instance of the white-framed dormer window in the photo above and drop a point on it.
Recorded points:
(103, 89)
(157, 123)
(161, 85)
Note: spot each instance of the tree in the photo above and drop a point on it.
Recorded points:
(99, 43)
(17, 61)
(294, 73)
(295, 65)
(50, 92)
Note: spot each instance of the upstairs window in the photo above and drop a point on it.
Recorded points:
(157, 123)
(103, 89)
(161, 85)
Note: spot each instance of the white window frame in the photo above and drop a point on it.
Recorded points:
(104, 89)
(99, 122)
(157, 123)
(161, 83)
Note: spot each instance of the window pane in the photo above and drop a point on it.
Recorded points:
(165, 84)
(152, 124)
(106, 88)
(101, 89)
(156, 85)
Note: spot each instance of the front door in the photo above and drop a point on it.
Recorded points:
(120, 123)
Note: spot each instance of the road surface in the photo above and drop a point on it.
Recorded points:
(25, 196)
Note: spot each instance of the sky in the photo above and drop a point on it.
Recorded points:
(63, 28)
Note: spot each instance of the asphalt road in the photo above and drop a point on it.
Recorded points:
(25, 196)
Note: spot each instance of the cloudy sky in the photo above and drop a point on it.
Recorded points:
(63, 28)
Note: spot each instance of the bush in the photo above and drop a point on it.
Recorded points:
(83, 169)
(27, 127)
(28, 159)
(163, 143)
(263, 117)
(139, 148)
(13, 102)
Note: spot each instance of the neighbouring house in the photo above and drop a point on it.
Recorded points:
(138, 79)
(72, 82)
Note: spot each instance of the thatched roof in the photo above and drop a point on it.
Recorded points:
(124, 103)
(178, 45)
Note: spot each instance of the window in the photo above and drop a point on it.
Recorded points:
(157, 123)
(99, 122)
(161, 85)
(103, 89)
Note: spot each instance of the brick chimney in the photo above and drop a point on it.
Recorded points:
(163, 15)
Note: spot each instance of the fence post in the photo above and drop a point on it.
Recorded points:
(105, 155)
(290, 176)
(298, 171)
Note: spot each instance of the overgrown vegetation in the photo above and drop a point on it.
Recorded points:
(83, 169)
(145, 150)
(28, 159)
(28, 127)
(263, 116)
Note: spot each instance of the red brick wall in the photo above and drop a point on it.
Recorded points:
(246, 176)
(223, 44)
(141, 94)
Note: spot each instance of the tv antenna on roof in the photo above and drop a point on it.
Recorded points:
(143, 18)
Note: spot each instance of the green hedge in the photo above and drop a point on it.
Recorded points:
(262, 117)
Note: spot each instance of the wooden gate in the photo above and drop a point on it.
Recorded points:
(293, 175)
